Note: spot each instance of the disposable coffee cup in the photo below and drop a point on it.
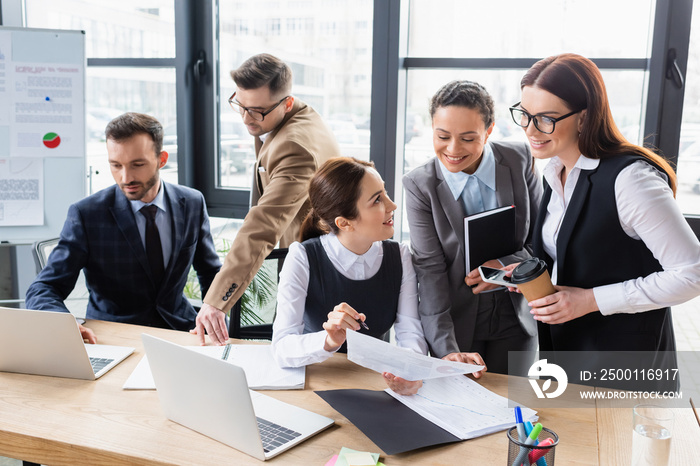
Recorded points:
(532, 279)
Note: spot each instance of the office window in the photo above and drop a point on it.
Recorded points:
(451, 39)
(111, 91)
(329, 60)
(517, 29)
(117, 31)
(330, 46)
(689, 149)
(130, 28)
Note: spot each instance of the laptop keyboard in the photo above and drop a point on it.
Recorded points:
(274, 435)
(99, 363)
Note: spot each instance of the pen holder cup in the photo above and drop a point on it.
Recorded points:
(546, 453)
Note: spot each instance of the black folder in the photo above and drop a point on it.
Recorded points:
(390, 424)
(489, 235)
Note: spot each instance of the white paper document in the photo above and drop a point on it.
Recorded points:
(463, 407)
(381, 356)
(21, 192)
(261, 370)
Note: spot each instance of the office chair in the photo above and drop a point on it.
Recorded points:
(255, 331)
(42, 250)
(77, 300)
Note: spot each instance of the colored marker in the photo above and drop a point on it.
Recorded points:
(536, 455)
(528, 429)
(522, 455)
(520, 427)
(522, 434)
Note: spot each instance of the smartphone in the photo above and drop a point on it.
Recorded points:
(495, 276)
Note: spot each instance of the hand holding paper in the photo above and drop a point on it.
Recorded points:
(381, 356)
(401, 385)
(468, 358)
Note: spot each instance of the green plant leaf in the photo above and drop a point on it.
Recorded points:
(259, 295)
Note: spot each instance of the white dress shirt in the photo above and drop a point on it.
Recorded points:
(647, 211)
(292, 348)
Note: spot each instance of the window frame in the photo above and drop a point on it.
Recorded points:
(198, 104)
(662, 107)
(198, 101)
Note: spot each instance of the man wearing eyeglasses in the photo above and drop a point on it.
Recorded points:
(291, 142)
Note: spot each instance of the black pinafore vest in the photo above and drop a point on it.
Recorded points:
(377, 297)
(593, 250)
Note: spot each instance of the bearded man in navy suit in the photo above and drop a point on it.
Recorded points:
(135, 261)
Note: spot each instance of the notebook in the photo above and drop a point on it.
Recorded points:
(49, 343)
(230, 413)
(489, 235)
(261, 370)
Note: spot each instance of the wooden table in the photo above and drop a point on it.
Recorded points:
(59, 421)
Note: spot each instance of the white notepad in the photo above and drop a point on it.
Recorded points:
(261, 370)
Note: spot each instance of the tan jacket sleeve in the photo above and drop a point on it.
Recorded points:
(285, 193)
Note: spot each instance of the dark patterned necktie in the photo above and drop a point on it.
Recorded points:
(154, 249)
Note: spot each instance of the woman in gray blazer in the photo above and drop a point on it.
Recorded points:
(459, 312)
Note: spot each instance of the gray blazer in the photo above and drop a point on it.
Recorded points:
(447, 305)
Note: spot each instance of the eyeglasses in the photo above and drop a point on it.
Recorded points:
(544, 124)
(254, 114)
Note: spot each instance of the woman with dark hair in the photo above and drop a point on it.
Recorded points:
(469, 175)
(346, 274)
(618, 248)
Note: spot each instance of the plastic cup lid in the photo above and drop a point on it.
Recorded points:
(527, 270)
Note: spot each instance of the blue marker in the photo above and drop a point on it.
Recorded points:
(522, 455)
(528, 429)
(522, 435)
(47, 98)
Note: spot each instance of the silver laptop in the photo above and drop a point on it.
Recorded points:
(256, 424)
(49, 343)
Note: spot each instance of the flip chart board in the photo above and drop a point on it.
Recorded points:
(42, 130)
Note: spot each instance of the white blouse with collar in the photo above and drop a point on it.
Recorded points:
(292, 348)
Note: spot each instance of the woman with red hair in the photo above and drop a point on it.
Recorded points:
(617, 246)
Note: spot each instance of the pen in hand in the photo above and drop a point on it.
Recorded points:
(362, 323)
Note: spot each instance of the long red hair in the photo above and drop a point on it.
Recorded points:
(578, 82)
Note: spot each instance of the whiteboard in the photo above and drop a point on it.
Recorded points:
(42, 130)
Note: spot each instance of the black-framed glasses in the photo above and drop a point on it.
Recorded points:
(254, 114)
(543, 123)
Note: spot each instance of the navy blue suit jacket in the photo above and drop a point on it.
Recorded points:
(100, 237)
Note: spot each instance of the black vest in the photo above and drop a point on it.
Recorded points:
(593, 250)
(377, 297)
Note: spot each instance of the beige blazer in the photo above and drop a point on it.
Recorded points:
(286, 161)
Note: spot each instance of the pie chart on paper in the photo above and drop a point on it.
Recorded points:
(52, 140)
